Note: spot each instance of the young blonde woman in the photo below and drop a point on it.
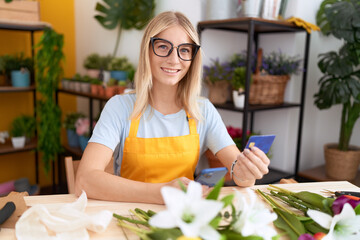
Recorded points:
(157, 134)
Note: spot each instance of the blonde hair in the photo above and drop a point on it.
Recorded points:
(189, 87)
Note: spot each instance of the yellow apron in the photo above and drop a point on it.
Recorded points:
(157, 160)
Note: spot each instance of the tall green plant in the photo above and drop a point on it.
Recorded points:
(340, 83)
(124, 14)
(49, 70)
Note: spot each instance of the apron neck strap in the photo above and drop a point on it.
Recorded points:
(134, 125)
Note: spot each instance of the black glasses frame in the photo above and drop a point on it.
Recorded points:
(196, 48)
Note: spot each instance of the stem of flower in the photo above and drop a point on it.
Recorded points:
(131, 220)
(142, 233)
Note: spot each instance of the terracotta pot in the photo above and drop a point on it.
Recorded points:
(219, 91)
(111, 91)
(214, 162)
(94, 89)
(341, 165)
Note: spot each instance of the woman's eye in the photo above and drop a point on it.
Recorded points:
(185, 50)
(162, 47)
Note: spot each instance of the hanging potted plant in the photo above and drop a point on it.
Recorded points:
(48, 62)
(340, 83)
(217, 77)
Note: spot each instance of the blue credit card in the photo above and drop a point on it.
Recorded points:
(262, 142)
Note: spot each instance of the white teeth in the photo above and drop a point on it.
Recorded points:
(170, 70)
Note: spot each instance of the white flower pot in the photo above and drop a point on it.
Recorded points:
(18, 142)
(238, 98)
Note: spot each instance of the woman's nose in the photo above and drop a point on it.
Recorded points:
(173, 57)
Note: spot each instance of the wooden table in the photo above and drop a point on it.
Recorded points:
(115, 232)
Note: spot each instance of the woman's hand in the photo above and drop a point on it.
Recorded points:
(185, 181)
(251, 165)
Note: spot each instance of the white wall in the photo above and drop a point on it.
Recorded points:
(319, 127)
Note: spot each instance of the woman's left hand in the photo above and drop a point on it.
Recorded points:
(251, 165)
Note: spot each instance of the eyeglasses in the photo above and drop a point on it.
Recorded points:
(163, 48)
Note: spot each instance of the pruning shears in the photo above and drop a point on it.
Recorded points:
(348, 194)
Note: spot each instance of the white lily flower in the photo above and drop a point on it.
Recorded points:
(253, 219)
(345, 225)
(188, 211)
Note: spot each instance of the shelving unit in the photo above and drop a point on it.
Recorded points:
(31, 28)
(254, 27)
(76, 151)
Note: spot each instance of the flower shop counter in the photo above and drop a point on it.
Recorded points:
(113, 231)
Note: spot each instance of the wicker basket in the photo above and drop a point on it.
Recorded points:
(267, 89)
(218, 91)
(341, 165)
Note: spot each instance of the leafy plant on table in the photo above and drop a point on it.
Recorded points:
(48, 62)
(124, 14)
(340, 83)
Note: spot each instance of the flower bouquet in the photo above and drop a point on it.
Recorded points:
(189, 216)
(310, 216)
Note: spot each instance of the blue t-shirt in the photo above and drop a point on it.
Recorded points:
(114, 125)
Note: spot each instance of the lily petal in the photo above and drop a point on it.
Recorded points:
(163, 219)
(208, 233)
(321, 218)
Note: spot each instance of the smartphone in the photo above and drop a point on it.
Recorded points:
(210, 176)
(262, 142)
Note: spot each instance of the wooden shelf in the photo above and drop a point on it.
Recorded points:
(8, 148)
(76, 151)
(82, 94)
(4, 89)
(242, 25)
(255, 108)
(318, 174)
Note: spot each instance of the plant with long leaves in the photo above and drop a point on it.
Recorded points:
(340, 83)
(49, 70)
(124, 14)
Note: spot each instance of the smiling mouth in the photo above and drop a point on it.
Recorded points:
(168, 70)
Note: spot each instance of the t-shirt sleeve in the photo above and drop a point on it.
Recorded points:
(217, 136)
(111, 124)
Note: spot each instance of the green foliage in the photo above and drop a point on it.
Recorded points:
(340, 83)
(95, 61)
(23, 125)
(49, 71)
(120, 64)
(124, 14)
(112, 82)
(239, 78)
(70, 120)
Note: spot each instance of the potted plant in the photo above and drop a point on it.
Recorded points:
(217, 77)
(18, 68)
(22, 129)
(97, 87)
(83, 131)
(238, 84)
(120, 68)
(111, 88)
(130, 14)
(340, 83)
(69, 125)
(92, 64)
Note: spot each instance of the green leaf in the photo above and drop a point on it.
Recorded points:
(165, 234)
(227, 200)
(215, 222)
(289, 223)
(313, 227)
(357, 210)
(182, 186)
(214, 194)
(232, 235)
